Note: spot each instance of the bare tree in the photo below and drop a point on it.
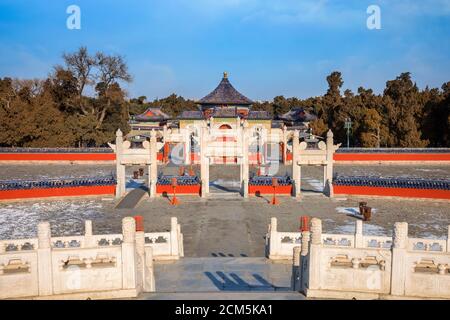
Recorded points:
(81, 64)
(112, 69)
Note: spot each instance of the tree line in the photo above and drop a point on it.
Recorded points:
(59, 112)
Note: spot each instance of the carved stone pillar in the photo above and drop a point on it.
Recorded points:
(140, 261)
(359, 242)
(149, 280)
(284, 141)
(187, 146)
(273, 239)
(448, 238)
(245, 160)
(129, 270)
(316, 231)
(328, 177)
(295, 167)
(88, 237)
(153, 167)
(120, 168)
(44, 255)
(313, 271)
(174, 239)
(304, 261)
(296, 269)
(204, 161)
(399, 250)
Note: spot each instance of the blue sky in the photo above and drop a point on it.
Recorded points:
(268, 47)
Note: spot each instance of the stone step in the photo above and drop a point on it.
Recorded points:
(225, 195)
(223, 296)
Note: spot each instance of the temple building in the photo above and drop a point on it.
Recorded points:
(224, 111)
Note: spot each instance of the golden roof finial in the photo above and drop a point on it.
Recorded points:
(225, 74)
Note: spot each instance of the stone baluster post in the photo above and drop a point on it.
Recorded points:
(306, 236)
(165, 134)
(448, 238)
(284, 141)
(187, 146)
(295, 167)
(328, 170)
(44, 259)
(153, 167)
(174, 245)
(313, 281)
(274, 242)
(129, 256)
(180, 241)
(399, 251)
(296, 269)
(359, 242)
(88, 236)
(2, 247)
(141, 260)
(245, 160)
(204, 161)
(149, 280)
(120, 168)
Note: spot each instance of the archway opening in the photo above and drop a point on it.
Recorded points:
(225, 127)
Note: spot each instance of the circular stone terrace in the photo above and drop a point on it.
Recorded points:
(223, 227)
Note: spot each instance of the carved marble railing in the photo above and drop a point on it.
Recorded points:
(166, 245)
(81, 266)
(338, 240)
(431, 245)
(279, 245)
(76, 266)
(364, 266)
(18, 245)
(377, 242)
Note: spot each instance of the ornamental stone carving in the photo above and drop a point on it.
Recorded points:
(400, 235)
(316, 231)
(44, 235)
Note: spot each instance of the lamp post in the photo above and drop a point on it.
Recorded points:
(348, 126)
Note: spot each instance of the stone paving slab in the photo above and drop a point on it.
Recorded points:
(222, 274)
(224, 295)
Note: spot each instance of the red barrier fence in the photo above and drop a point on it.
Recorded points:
(181, 189)
(57, 192)
(391, 157)
(392, 192)
(280, 190)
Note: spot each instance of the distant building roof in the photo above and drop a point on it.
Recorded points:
(225, 94)
(259, 115)
(191, 114)
(152, 114)
(297, 114)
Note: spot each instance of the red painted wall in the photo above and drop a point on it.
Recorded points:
(191, 189)
(391, 157)
(57, 157)
(285, 190)
(392, 192)
(57, 192)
